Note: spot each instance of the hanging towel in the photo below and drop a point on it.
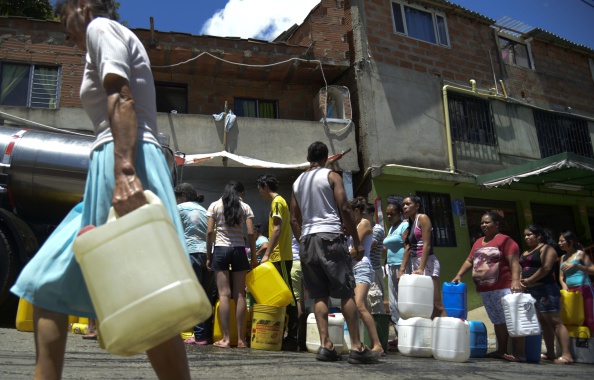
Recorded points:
(229, 120)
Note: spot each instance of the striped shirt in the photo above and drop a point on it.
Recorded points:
(228, 236)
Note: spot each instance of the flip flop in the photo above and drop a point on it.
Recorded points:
(90, 336)
(546, 357)
(562, 360)
(512, 358)
(242, 345)
(494, 355)
(220, 344)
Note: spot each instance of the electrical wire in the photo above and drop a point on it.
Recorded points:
(247, 65)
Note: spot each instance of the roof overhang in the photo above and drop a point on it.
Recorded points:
(564, 171)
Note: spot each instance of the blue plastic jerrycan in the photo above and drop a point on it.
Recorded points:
(455, 299)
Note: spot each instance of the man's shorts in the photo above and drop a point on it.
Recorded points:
(493, 306)
(222, 257)
(432, 267)
(326, 266)
(547, 296)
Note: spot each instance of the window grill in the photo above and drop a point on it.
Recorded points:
(559, 133)
(471, 119)
(439, 209)
(45, 87)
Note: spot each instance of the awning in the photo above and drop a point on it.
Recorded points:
(564, 171)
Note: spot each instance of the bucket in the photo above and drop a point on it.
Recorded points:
(478, 339)
(415, 296)
(217, 331)
(24, 317)
(450, 339)
(335, 331)
(382, 325)
(572, 308)
(140, 280)
(414, 337)
(268, 327)
(346, 340)
(267, 285)
(520, 315)
(455, 299)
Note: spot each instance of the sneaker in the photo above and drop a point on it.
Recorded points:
(363, 357)
(326, 355)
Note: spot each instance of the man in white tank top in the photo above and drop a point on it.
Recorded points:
(319, 209)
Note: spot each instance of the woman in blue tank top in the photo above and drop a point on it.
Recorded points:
(576, 265)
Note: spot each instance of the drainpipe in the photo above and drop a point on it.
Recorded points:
(472, 92)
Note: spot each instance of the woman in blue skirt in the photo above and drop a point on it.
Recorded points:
(118, 94)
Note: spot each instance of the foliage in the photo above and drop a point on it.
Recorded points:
(39, 9)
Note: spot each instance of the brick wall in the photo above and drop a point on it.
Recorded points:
(561, 78)
(467, 58)
(326, 29)
(210, 82)
(42, 42)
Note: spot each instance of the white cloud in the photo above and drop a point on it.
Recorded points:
(261, 19)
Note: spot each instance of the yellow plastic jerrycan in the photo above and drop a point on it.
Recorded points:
(217, 332)
(24, 317)
(140, 280)
(267, 286)
(572, 308)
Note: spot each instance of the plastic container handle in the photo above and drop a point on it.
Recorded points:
(151, 199)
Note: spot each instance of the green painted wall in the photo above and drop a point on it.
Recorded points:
(451, 258)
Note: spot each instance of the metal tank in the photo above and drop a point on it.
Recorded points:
(43, 173)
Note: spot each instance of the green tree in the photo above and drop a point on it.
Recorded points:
(39, 9)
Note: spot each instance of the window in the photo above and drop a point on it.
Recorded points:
(256, 108)
(514, 52)
(476, 208)
(559, 133)
(439, 209)
(29, 85)
(171, 97)
(422, 24)
(470, 119)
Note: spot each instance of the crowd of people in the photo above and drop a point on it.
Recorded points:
(319, 240)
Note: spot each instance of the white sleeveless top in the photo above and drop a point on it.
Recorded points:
(315, 197)
(366, 243)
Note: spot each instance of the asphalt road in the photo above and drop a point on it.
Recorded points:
(85, 360)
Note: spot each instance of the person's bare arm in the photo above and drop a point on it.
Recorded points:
(252, 242)
(296, 218)
(210, 235)
(466, 265)
(516, 272)
(128, 193)
(345, 212)
(273, 239)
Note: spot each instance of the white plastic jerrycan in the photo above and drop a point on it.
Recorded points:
(415, 296)
(140, 280)
(520, 315)
(450, 339)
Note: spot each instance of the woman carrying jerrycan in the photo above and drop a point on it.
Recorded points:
(419, 250)
(495, 272)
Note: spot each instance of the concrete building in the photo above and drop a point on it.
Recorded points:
(472, 116)
(277, 90)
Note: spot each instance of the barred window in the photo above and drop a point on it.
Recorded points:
(471, 119)
(29, 85)
(438, 208)
(559, 133)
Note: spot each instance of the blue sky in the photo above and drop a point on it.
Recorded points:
(265, 19)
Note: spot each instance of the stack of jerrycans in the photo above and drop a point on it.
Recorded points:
(581, 345)
(415, 304)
